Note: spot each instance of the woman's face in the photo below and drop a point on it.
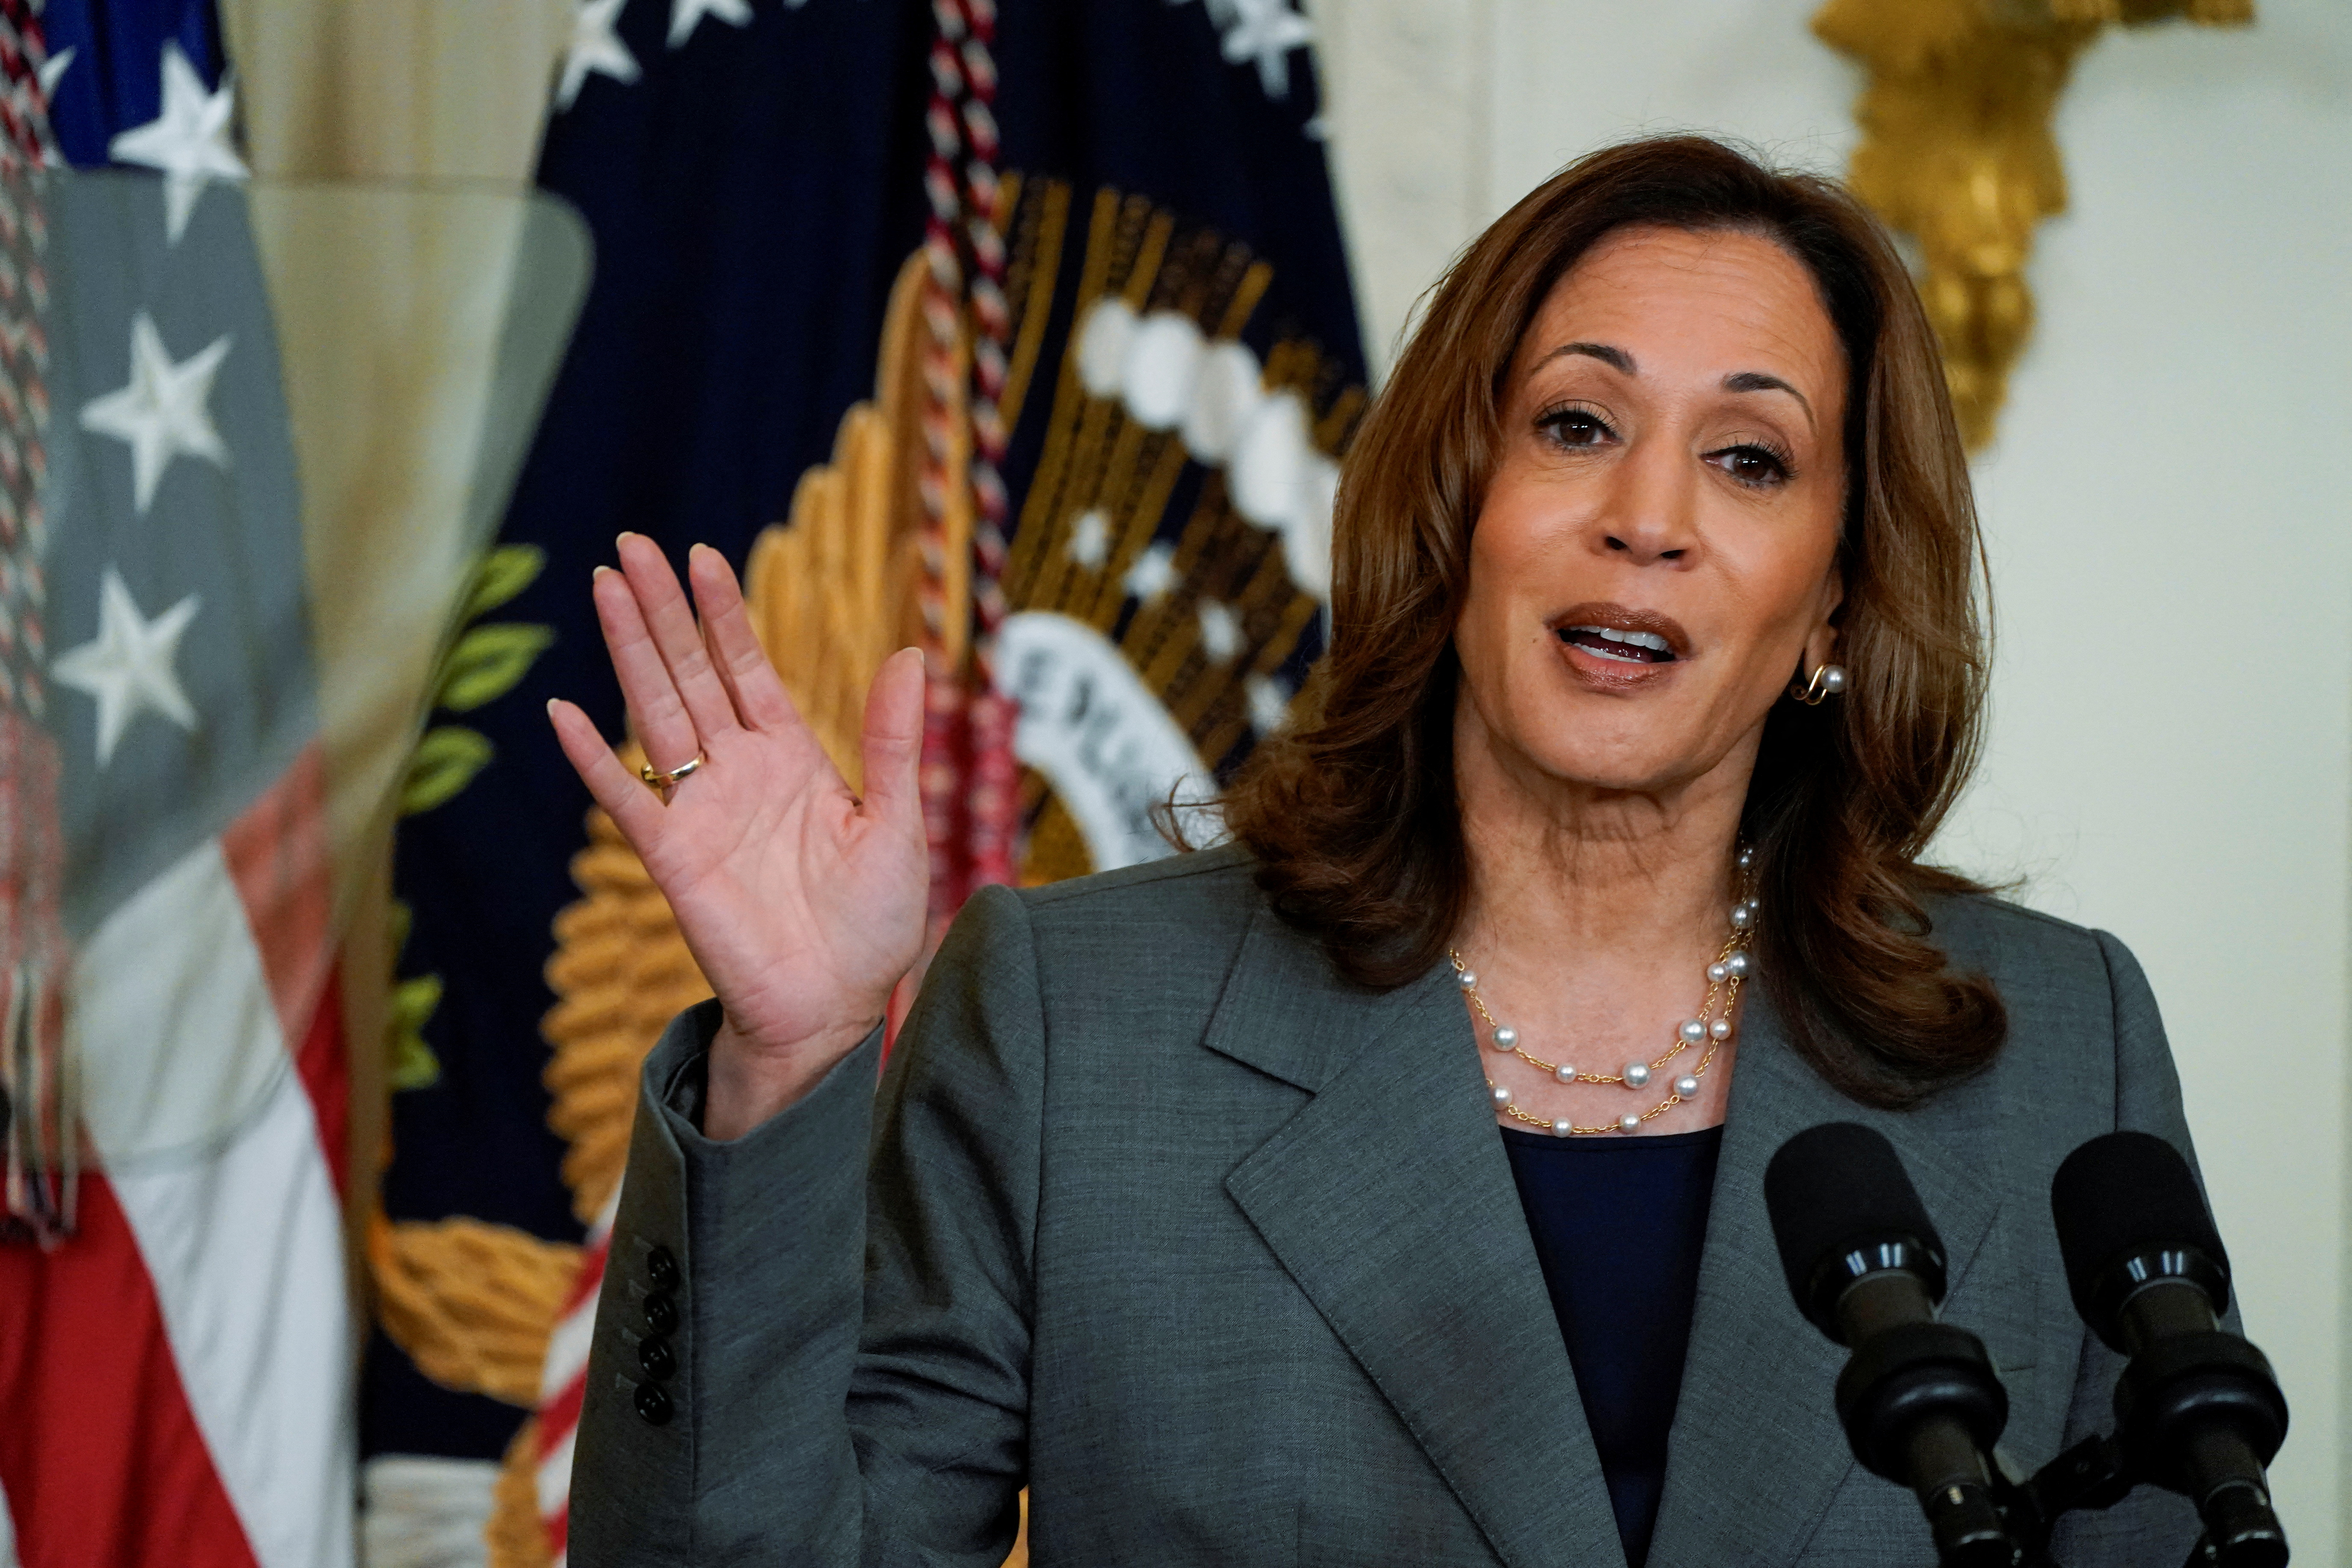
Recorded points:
(1656, 552)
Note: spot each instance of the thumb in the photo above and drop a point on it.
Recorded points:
(892, 746)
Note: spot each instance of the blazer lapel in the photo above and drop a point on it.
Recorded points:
(1389, 1199)
(1757, 1451)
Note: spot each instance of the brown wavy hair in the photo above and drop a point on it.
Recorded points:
(1353, 815)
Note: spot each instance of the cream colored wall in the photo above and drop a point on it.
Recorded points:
(2166, 509)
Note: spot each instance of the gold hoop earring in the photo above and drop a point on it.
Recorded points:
(1828, 681)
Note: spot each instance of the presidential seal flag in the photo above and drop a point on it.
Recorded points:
(1021, 332)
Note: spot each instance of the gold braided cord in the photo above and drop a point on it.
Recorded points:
(515, 1533)
(620, 973)
(1957, 150)
(471, 1304)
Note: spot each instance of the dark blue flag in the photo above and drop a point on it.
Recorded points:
(110, 70)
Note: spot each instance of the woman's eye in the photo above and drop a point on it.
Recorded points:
(1751, 465)
(1575, 428)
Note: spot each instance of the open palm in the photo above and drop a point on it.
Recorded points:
(803, 903)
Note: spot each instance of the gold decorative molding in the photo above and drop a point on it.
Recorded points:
(1956, 151)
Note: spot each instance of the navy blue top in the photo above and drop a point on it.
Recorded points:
(1617, 1224)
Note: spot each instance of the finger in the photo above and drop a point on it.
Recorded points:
(623, 796)
(664, 726)
(759, 696)
(670, 620)
(893, 743)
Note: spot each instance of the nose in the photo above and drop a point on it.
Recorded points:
(1651, 511)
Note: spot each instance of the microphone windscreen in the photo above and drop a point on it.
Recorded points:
(1831, 1189)
(2122, 1194)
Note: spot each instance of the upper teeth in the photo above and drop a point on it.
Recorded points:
(1651, 640)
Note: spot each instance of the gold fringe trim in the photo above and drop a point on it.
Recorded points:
(472, 1304)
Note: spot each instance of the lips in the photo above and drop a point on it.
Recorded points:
(1607, 642)
(1617, 635)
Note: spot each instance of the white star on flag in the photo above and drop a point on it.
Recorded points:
(1268, 30)
(127, 668)
(595, 47)
(53, 69)
(685, 16)
(162, 413)
(188, 140)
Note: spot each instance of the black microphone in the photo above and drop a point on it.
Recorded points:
(1918, 1399)
(2198, 1409)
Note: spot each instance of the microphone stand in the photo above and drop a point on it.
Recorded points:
(2094, 1474)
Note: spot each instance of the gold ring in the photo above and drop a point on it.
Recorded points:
(668, 780)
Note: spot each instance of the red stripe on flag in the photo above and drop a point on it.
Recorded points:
(561, 1414)
(276, 855)
(119, 1477)
(325, 1067)
(590, 1278)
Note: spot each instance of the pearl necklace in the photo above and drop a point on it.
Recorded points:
(1711, 1028)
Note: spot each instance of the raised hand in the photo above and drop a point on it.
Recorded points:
(803, 903)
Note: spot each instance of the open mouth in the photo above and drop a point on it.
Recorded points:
(1618, 643)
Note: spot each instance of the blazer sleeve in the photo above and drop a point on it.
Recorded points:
(842, 1294)
(2150, 1526)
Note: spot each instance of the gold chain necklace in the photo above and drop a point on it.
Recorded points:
(1711, 1028)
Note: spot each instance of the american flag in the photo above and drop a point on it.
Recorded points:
(177, 1363)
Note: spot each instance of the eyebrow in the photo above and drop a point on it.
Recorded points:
(1756, 380)
(1617, 359)
(1622, 363)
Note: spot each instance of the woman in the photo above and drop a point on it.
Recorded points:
(1384, 1187)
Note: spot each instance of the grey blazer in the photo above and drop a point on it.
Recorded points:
(1222, 1259)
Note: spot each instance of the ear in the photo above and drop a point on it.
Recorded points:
(1821, 643)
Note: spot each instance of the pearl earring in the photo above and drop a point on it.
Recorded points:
(1828, 681)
